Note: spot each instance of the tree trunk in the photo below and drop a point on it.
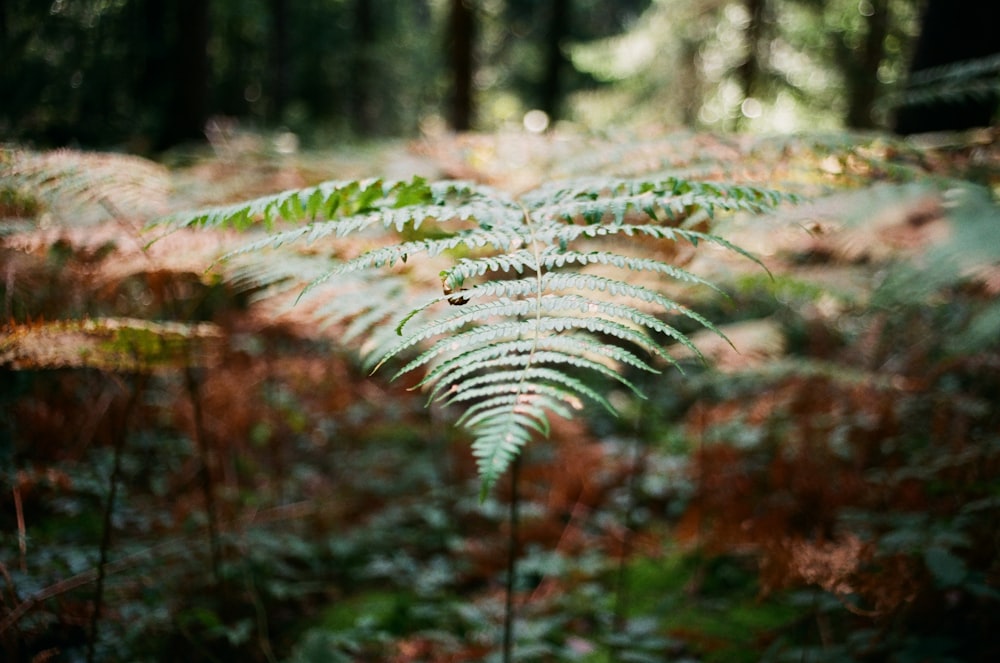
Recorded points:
(953, 31)
(555, 60)
(96, 95)
(461, 61)
(749, 70)
(189, 104)
(154, 49)
(364, 117)
(690, 82)
(278, 59)
(862, 80)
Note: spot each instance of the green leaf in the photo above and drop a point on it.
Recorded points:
(948, 569)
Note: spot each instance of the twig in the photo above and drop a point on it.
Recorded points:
(107, 525)
(578, 513)
(508, 615)
(636, 468)
(207, 485)
(22, 535)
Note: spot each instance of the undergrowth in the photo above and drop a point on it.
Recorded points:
(198, 465)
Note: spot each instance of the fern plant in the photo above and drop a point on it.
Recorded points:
(538, 294)
(977, 78)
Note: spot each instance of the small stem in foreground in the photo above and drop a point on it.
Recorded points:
(207, 481)
(107, 524)
(512, 540)
(636, 468)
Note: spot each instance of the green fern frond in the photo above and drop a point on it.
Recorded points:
(553, 282)
(584, 198)
(577, 350)
(536, 407)
(977, 78)
(504, 331)
(516, 261)
(499, 441)
(359, 307)
(552, 258)
(325, 200)
(533, 301)
(523, 359)
(546, 381)
(396, 203)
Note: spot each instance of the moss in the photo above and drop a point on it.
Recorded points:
(723, 618)
(377, 610)
(15, 203)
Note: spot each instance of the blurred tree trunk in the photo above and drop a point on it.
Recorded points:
(953, 31)
(278, 58)
(690, 82)
(862, 72)
(749, 71)
(150, 52)
(96, 96)
(555, 59)
(189, 84)
(461, 63)
(364, 118)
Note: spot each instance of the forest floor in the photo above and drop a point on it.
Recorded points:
(826, 488)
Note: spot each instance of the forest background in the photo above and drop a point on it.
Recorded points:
(191, 469)
(146, 75)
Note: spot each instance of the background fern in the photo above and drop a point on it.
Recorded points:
(538, 294)
(977, 78)
(88, 186)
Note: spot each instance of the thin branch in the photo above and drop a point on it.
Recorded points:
(108, 524)
(512, 541)
(207, 481)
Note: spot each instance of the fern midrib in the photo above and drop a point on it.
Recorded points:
(539, 291)
(529, 362)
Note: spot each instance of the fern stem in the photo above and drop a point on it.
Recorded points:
(260, 612)
(622, 596)
(539, 289)
(207, 484)
(107, 522)
(512, 542)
